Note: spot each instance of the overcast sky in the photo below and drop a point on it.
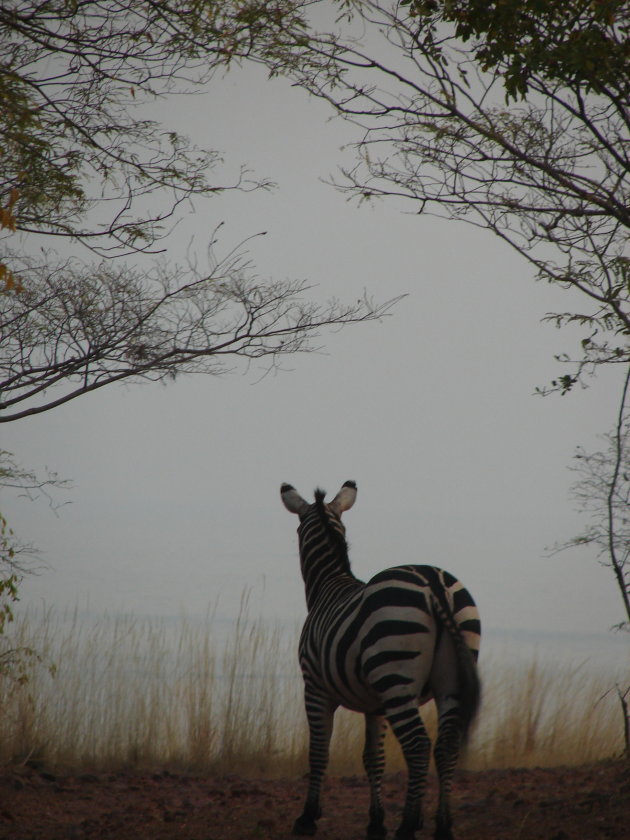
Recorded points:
(176, 500)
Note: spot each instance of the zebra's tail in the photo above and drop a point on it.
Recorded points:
(466, 664)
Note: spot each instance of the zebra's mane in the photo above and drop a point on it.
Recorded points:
(335, 536)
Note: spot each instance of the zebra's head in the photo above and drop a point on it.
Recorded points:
(321, 534)
(294, 503)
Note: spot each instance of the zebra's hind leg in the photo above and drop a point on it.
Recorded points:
(374, 763)
(409, 729)
(320, 720)
(445, 753)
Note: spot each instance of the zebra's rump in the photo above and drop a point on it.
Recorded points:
(446, 590)
(381, 640)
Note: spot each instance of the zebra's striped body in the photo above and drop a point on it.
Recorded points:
(382, 648)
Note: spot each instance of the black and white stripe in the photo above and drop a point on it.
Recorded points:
(382, 648)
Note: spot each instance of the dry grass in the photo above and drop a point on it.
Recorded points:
(134, 693)
(544, 716)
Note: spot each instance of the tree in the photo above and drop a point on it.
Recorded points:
(81, 164)
(511, 116)
(76, 79)
(83, 168)
(602, 491)
(581, 43)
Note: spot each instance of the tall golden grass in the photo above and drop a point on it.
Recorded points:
(201, 696)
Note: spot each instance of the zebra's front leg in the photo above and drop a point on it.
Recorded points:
(416, 746)
(320, 721)
(374, 763)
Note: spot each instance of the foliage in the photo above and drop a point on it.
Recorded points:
(580, 43)
(8, 584)
(84, 162)
(75, 82)
(509, 116)
(16, 560)
(14, 657)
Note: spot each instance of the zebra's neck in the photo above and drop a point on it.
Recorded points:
(324, 560)
(326, 583)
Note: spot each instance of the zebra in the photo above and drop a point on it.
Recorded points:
(382, 648)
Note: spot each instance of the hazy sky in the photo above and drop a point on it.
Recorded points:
(176, 488)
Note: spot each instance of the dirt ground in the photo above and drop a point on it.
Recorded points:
(584, 803)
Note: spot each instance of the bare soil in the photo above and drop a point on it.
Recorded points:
(564, 803)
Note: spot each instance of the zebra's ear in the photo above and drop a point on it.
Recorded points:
(345, 498)
(292, 500)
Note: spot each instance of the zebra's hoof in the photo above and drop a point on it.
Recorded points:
(443, 828)
(377, 833)
(304, 827)
(407, 831)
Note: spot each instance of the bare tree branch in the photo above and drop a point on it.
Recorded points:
(619, 556)
(489, 113)
(602, 491)
(71, 329)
